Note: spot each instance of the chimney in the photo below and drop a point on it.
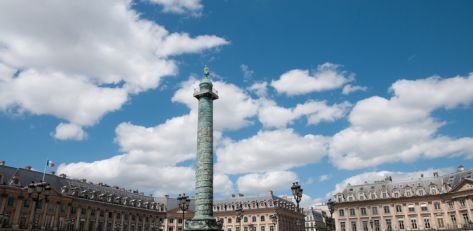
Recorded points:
(233, 195)
(422, 175)
(461, 168)
(52, 173)
(436, 174)
(62, 175)
(28, 167)
(83, 180)
(2, 163)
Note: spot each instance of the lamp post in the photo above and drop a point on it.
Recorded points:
(331, 209)
(252, 227)
(297, 193)
(274, 219)
(34, 191)
(239, 212)
(184, 203)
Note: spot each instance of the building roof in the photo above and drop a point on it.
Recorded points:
(389, 188)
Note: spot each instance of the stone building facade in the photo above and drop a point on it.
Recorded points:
(427, 203)
(80, 205)
(315, 220)
(257, 214)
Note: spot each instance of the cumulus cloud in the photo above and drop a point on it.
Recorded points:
(347, 89)
(193, 7)
(118, 171)
(79, 61)
(397, 176)
(402, 128)
(275, 150)
(328, 76)
(69, 132)
(258, 183)
(148, 152)
(272, 115)
(223, 184)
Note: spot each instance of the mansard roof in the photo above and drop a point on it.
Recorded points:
(414, 187)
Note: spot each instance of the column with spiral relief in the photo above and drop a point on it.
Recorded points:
(203, 217)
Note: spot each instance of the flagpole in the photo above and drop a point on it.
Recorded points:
(44, 172)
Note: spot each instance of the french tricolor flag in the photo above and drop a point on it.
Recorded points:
(50, 164)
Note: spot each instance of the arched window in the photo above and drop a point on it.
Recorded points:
(253, 219)
(245, 219)
(262, 218)
(229, 220)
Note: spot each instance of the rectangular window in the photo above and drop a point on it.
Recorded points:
(171, 220)
(462, 203)
(427, 223)
(411, 208)
(271, 228)
(386, 209)
(450, 204)
(398, 208)
(401, 224)
(342, 226)
(26, 203)
(363, 211)
(352, 212)
(353, 226)
(414, 223)
(377, 227)
(365, 226)
(262, 228)
(423, 207)
(437, 205)
(389, 226)
(454, 219)
(341, 212)
(375, 210)
(440, 222)
(465, 218)
(10, 201)
(179, 221)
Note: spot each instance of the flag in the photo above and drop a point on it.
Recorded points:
(50, 164)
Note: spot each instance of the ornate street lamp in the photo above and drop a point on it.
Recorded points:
(184, 203)
(239, 212)
(331, 209)
(297, 193)
(274, 219)
(34, 191)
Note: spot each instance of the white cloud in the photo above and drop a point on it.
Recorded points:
(194, 7)
(397, 176)
(223, 184)
(298, 82)
(324, 177)
(118, 171)
(272, 115)
(270, 151)
(148, 152)
(257, 183)
(347, 89)
(71, 98)
(402, 128)
(260, 89)
(247, 72)
(81, 60)
(69, 132)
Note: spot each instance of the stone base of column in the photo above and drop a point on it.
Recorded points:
(202, 225)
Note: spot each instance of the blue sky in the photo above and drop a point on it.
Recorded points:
(315, 91)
